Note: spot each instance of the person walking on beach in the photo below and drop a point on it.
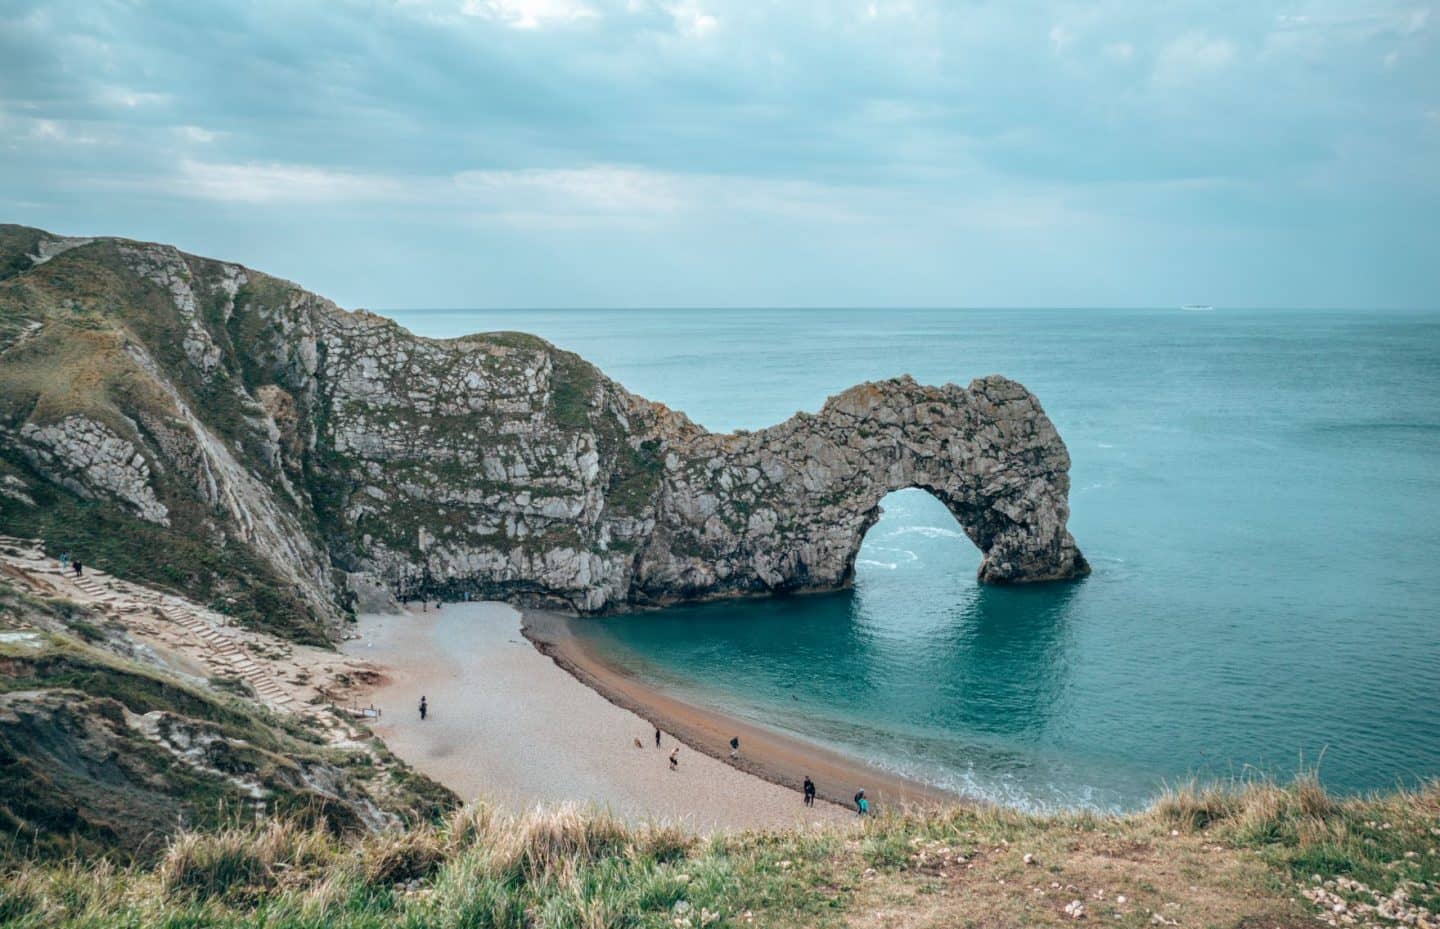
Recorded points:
(862, 806)
(809, 791)
(734, 746)
(657, 737)
(424, 708)
(675, 759)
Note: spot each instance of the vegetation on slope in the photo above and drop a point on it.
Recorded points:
(1258, 856)
(104, 753)
(64, 330)
(217, 571)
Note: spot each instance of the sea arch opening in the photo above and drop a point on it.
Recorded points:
(914, 538)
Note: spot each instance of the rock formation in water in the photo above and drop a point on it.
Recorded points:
(205, 425)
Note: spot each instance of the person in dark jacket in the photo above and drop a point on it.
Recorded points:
(809, 791)
(424, 709)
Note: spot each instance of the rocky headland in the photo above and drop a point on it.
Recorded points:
(203, 426)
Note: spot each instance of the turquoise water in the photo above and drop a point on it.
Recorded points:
(1259, 494)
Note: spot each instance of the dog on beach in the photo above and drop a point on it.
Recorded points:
(639, 744)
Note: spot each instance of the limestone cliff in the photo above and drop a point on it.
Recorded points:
(214, 416)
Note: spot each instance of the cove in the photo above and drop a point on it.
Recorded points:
(1255, 492)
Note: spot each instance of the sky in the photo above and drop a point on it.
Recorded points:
(720, 153)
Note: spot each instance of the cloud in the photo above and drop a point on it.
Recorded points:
(537, 198)
(691, 20)
(1193, 56)
(878, 9)
(530, 14)
(1060, 37)
(130, 99)
(197, 134)
(676, 121)
(1325, 29)
(276, 183)
(1120, 51)
(58, 132)
(593, 189)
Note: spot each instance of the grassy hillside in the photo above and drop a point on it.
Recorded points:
(104, 751)
(1259, 856)
(70, 330)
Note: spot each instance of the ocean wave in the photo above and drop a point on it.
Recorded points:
(1043, 796)
(930, 532)
(887, 565)
(909, 555)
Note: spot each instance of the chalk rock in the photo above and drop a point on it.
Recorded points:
(353, 457)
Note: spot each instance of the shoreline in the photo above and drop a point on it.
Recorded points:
(771, 756)
(507, 725)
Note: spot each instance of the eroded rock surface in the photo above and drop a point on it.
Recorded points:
(346, 452)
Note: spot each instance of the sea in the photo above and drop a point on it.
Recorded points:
(1258, 492)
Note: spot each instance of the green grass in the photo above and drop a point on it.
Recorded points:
(17, 243)
(572, 387)
(571, 867)
(1386, 843)
(636, 478)
(562, 867)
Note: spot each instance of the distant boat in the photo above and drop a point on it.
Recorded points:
(1197, 307)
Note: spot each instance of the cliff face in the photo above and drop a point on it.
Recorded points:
(172, 399)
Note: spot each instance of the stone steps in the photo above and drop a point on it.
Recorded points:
(222, 652)
(226, 655)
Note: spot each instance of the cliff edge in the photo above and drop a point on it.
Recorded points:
(199, 424)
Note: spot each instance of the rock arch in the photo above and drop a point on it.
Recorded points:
(786, 508)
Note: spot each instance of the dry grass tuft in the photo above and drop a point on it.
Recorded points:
(22, 895)
(400, 857)
(202, 867)
(468, 826)
(547, 842)
(240, 861)
(1192, 807)
(663, 843)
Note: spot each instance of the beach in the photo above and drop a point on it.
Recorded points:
(510, 726)
(768, 755)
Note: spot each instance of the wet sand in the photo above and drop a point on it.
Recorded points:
(509, 726)
(766, 754)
